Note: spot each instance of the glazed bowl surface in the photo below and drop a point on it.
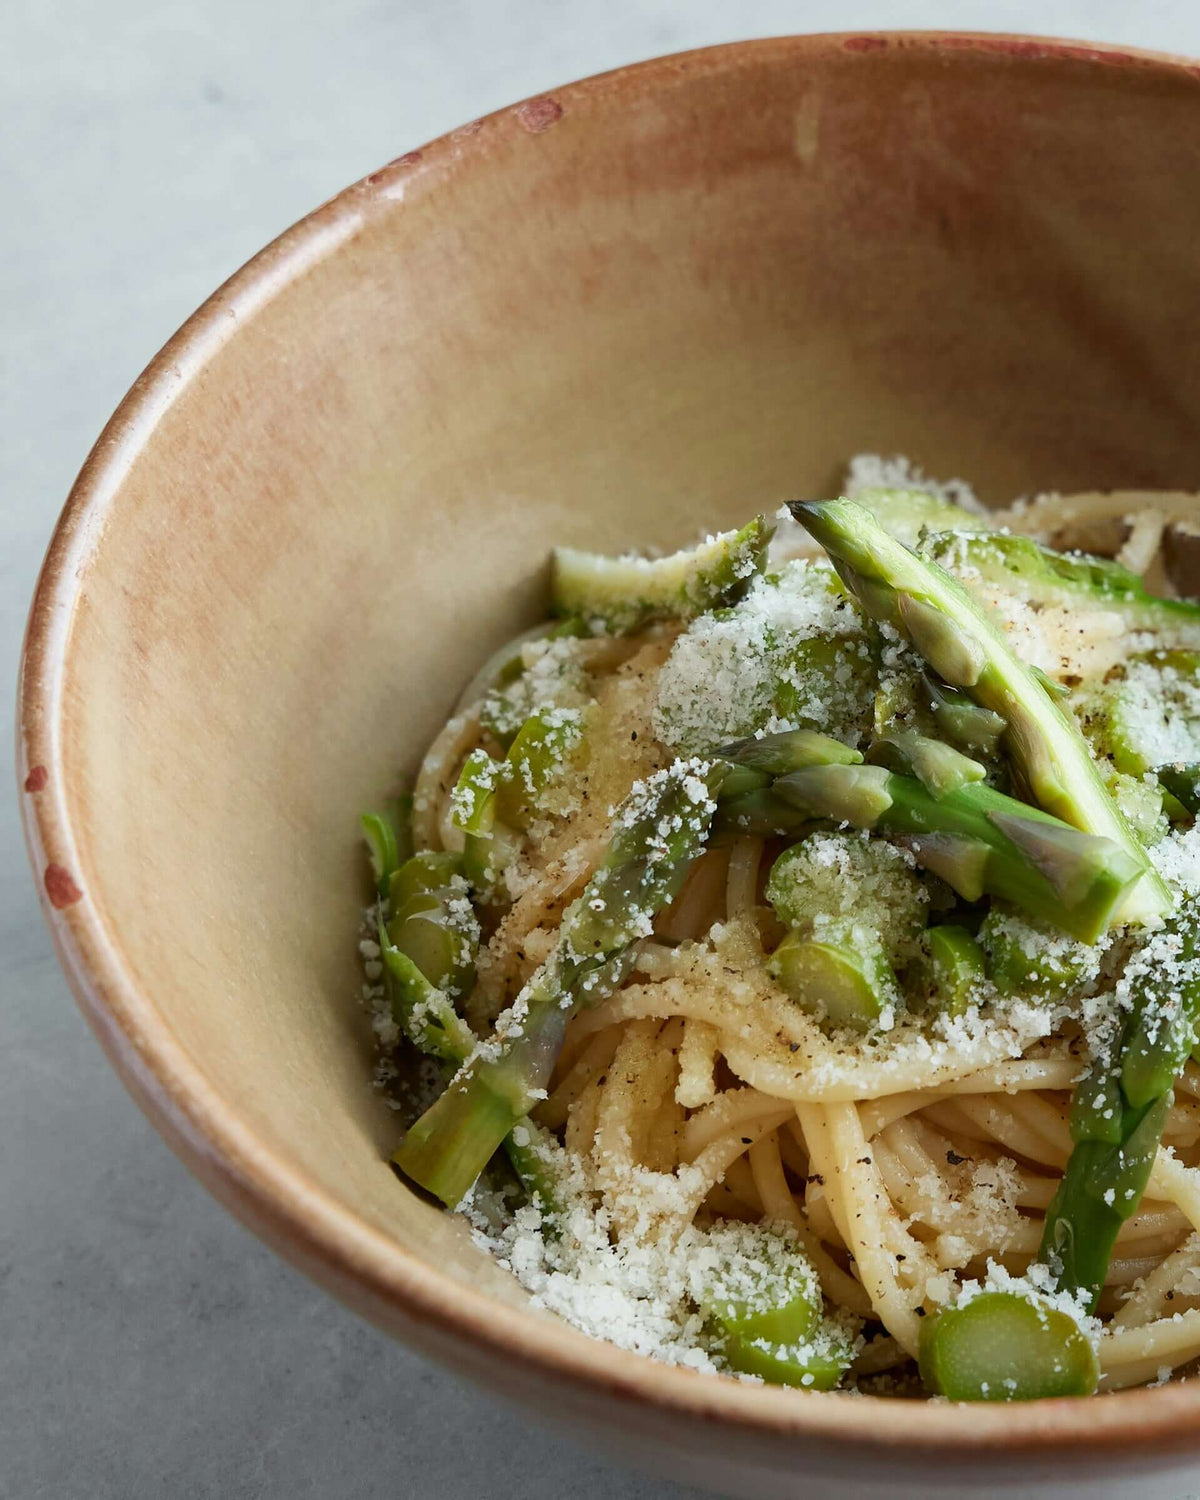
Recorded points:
(641, 305)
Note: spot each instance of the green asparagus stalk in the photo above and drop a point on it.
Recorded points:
(746, 804)
(765, 1318)
(976, 839)
(495, 800)
(757, 761)
(419, 975)
(1019, 565)
(962, 721)
(422, 1010)
(659, 830)
(791, 750)
(1118, 1113)
(759, 814)
(938, 767)
(967, 648)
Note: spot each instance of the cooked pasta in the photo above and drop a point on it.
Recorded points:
(815, 927)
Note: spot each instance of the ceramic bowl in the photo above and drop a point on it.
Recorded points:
(643, 304)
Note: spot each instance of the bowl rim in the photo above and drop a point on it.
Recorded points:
(277, 1198)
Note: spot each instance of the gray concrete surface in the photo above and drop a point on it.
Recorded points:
(148, 1345)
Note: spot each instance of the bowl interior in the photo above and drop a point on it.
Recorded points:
(647, 306)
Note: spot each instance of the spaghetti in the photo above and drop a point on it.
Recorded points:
(702, 1110)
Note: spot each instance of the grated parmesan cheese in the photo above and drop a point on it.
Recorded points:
(642, 1291)
(743, 671)
(871, 471)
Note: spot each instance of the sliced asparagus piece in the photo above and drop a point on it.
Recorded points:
(979, 841)
(792, 750)
(1143, 803)
(548, 671)
(1026, 956)
(624, 593)
(1118, 1113)
(819, 677)
(833, 886)
(763, 1311)
(659, 830)
(431, 920)
(438, 932)
(811, 1367)
(1102, 1187)
(416, 979)
(422, 1009)
(490, 844)
(1150, 715)
(843, 984)
(431, 870)
(536, 758)
(495, 800)
(1166, 1008)
(760, 814)
(380, 838)
(797, 650)
(949, 974)
(964, 645)
(1001, 1346)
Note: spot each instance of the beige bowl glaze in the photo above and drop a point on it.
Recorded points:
(647, 303)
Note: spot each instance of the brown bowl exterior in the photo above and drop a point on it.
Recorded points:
(650, 302)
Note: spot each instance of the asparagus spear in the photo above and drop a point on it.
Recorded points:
(432, 921)
(1026, 956)
(659, 830)
(907, 513)
(1148, 715)
(834, 881)
(746, 804)
(791, 750)
(963, 722)
(423, 1010)
(938, 767)
(965, 647)
(760, 814)
(1023, 566)
(428, 948)
(418, 979)
(1118, 1113)
(978, 840)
